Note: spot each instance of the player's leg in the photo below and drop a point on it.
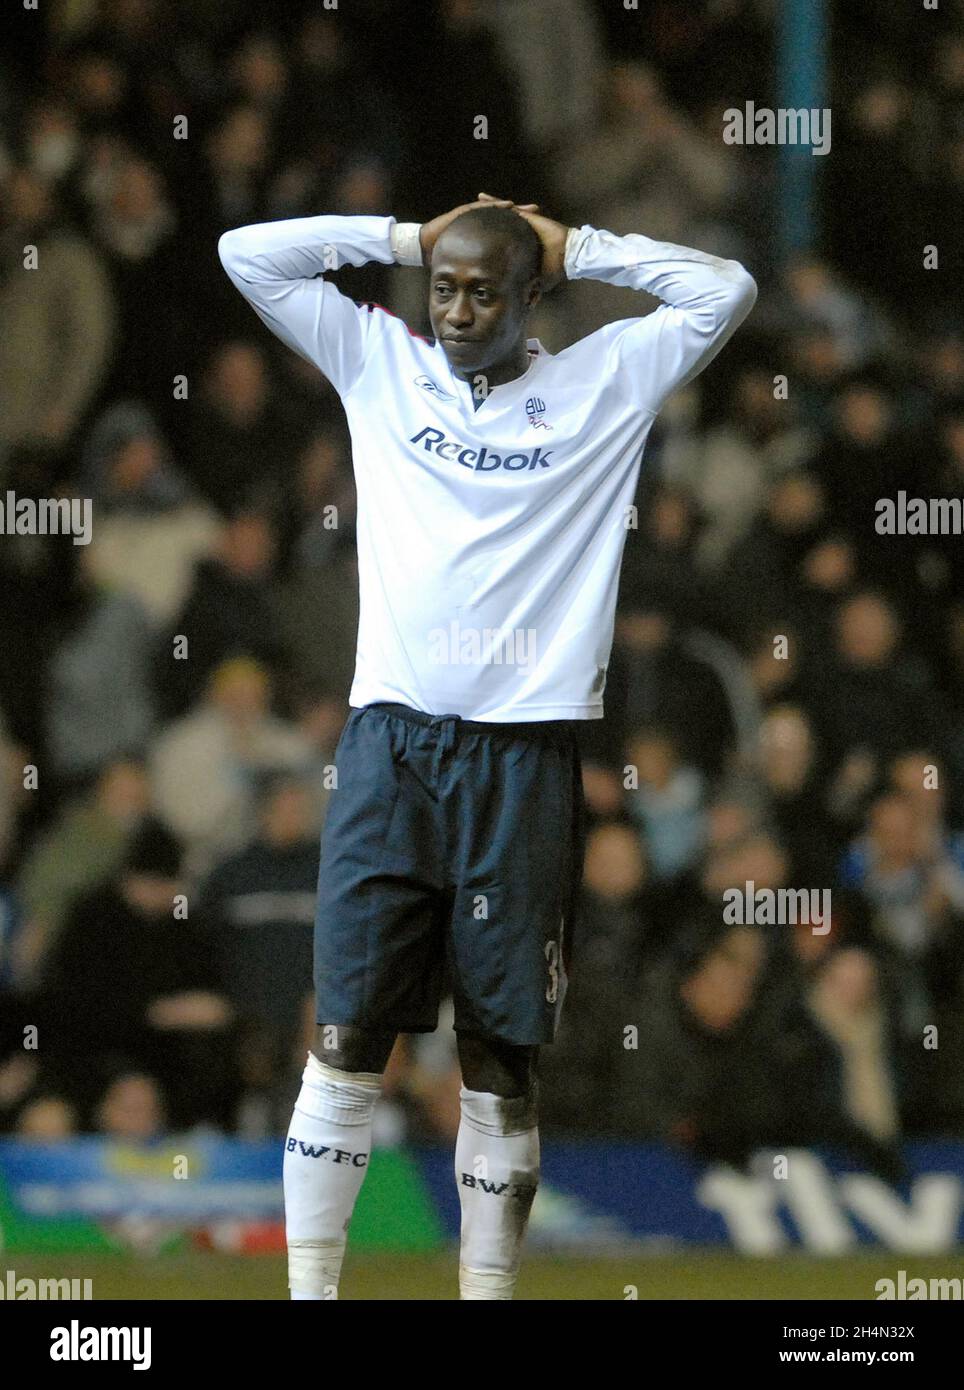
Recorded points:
(378, 935)
(496, 1162)
(327, 1150)
(517, 805)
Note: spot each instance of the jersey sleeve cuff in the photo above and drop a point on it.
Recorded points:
(406, 247)
(575, 240)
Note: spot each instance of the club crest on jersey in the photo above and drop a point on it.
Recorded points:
(535, 409)
(484, 460)
(427, 384)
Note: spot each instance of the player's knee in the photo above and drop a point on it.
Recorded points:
(501, 1069)
(352, 1049)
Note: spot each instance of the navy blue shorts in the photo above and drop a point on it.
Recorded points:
(450, 860)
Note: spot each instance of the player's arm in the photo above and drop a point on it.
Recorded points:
(279, 268)
(704, 301)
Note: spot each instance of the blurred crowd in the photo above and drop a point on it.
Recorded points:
(785, 704)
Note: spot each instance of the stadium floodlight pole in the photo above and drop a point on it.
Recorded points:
(494, 483)
(801, 86)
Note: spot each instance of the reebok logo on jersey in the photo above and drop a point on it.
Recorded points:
(479, 460)
(427, 384)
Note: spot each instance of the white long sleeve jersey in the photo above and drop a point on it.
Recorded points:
(489, 538)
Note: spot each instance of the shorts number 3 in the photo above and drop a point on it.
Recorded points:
(552, 957)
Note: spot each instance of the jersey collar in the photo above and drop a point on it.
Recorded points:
(537, 353)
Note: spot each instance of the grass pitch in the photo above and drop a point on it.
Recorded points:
(710, 1275)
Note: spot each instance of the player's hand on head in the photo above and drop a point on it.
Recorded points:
(431, 231)
(488, 199)
(552, 235)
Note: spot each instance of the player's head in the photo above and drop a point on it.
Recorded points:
(485, 278)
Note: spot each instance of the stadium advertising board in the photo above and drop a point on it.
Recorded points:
(92, 1194)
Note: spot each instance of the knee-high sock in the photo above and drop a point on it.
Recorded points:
(497, 1171)
(325, 1161)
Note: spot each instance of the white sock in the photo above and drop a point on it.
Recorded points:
(497, 1171)
(326, 1158)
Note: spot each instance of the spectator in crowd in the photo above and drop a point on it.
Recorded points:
(230, 611)
(954, 656)
(338, 114)
(538, 41)
(149, 530)
(132, 1109)
(100, 86)
(646, 164)
(663, 535)
(875, 697)
(948, 481)
(617, 921)
(13, 762)
(622, 926)
(53, 145)
(46, 1120)
(320, 719)
(10, 934)
(740, 459)
(920, 778)
(238, 162)
(792, 521)
(427, 1075)
(653, 680)
(85, 844)
(915, 889)
(747, 854)
(132, 977)
(258, 910)
(846, 1001)
(937, 366)
(875, 176)
(204, 765)
(666, 800)
(464, 43)
(864, 457)
(243, 443)
(136, 229)
(719, 1073)
(826, 575)
(812, 297)
(58, 327)
(792, 782)
(603, 791)
(101, 705)
(259, 72)
(319, 618)
(320, 508)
